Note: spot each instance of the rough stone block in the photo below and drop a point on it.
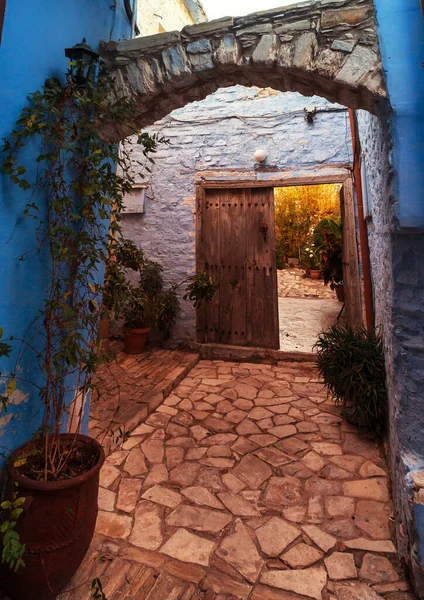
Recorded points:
(305, 50)
(175, 62)
(343, 45)
(208, 27)
(201, 62)
(346, 16)
(149, 42)
(358, 65)
(199, 47)
(228, 51)
(302, 25)
(267, 50)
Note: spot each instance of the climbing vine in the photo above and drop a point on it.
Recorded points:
(75, 197)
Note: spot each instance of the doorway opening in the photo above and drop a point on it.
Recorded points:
(308, 233)
(238, 243)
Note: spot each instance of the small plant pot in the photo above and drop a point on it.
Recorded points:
(135, 339)
(340, 292)
(314, 273)
(57, 526)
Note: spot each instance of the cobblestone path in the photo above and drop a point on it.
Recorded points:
(293, 284)
(245, 483)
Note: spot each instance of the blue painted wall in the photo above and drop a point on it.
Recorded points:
(401, 33)
(32, 49)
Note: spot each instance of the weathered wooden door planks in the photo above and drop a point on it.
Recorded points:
(236, 246)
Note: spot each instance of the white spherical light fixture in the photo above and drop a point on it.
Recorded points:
(260, 155)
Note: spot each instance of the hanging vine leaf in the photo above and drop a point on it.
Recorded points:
(11, 386)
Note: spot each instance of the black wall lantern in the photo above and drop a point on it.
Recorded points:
(85, 60)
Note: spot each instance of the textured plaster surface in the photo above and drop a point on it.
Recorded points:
(168, 14)
(222, 132)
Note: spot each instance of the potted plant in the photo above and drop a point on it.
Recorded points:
(141, 307)
(351, 363)
(328, 237)
(147, 303)
(75, 198)
(311, 261)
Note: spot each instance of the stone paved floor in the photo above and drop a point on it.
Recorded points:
(245, 483)
(302, 319)
(293, 284)
(133, 386)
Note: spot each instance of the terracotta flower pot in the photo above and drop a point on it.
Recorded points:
(314, 273)
(340, 292)
(135, 339)
(57, 526)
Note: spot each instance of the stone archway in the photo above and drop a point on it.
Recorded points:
(327, 48)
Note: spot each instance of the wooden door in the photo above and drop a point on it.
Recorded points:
(351, 276)
(236, 247)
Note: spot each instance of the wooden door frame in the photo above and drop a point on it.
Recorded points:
(235, 178)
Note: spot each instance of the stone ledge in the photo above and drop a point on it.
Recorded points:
(208, 27)
(135, 410)
(247, 354)
(149, 42)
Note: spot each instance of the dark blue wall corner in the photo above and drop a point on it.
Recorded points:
(401, 34)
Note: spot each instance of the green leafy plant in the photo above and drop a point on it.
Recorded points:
(148, 302)
(298, 209)
(328, 239)
(5, 348)
(311, 258)
(351, 363)
(76, 196)
(200, 288)
(10, 382)
(13, 550)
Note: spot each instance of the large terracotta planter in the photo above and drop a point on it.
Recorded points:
(57, 526)
(314, 274)
(135, 339)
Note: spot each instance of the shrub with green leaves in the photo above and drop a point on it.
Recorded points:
(351, 363)
(148, 303)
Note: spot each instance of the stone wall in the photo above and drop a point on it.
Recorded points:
(376, 147)
(222, 132)
(327, 47)
(163, 15)
(397, 258)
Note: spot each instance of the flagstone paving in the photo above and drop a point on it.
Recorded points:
(245, 483)
(292, 283)
(131, 387)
